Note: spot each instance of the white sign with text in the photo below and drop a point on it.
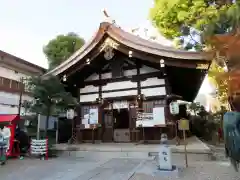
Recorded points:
(165, 157)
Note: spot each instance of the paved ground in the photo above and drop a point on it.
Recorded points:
(196, 171)
(109, 168)
(194, 146)
(69, 169)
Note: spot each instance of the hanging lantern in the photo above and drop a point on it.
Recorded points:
(70, 114)
(174, 108)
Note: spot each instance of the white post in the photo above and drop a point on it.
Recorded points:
(57, 131)
(38, 126)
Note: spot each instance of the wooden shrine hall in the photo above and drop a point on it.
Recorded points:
(123, 82)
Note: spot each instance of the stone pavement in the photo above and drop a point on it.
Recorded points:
(112, 168)
(194, 145)
(196, 171)
(69, 169)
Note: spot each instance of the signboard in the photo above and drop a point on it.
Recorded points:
(144, 116)
(93, 116)
(39, 147)
(120, 104)
(183, 125)
(159, 116)
(165, 159)
(85, 122)
(174, 108)
(151, 119)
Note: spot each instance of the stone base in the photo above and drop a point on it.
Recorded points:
(152, 170)
(166, 173)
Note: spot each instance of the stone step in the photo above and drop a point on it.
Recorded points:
(136, 155)
(103, 155)
(191, 156)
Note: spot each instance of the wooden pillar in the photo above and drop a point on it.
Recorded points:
(100, 110)
(140, 101)
(79, 124)
(169, 92)
(138, 81)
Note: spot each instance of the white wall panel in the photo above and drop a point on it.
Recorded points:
(12, 99)
(88, 98)
(119, 85)
(11, 74)
(107, 75)
(88, 89)
(92, 77)
(154, 91)
(120, 93)
(146, 69)
(131, 72)
(152, 82)
(6, 109)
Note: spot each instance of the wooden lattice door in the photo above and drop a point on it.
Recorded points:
(107, 128)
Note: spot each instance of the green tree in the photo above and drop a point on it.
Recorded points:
(173, 18)
(215, 77)
(189, 23)
(27, 106)
(61, 48)
(50, 97)
(195, 108)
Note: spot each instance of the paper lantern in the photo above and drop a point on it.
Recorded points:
(174, 108)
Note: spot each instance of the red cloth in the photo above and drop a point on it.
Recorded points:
(9, 117)
(220, 132)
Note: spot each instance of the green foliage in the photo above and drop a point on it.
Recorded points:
(61, 48)
(215, 77)
(203, 127)
(194, 107)
(170, 16)
(27, 106)
(50, 96)
(182, 20)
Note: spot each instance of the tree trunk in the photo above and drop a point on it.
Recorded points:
(47, 121)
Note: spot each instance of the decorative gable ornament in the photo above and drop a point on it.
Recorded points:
(174, 108)
(108, 53)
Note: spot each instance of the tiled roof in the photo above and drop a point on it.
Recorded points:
(130, 40)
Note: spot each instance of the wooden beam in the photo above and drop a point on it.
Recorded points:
(138, 81)
(133, 78)
(125, 89)
(100, 86)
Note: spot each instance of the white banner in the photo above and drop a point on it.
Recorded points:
(151, 119)
(39, 146)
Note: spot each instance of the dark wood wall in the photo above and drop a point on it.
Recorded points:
(105, 130)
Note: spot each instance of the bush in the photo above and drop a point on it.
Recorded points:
(203, 128)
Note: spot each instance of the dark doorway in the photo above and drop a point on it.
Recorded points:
(121, 118)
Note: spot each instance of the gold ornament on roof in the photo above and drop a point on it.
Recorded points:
(107, 17)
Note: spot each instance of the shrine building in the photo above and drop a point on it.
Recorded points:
(124, 85)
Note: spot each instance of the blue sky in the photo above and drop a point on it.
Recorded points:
(27, 25)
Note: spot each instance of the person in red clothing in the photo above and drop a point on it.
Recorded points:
(220, 134)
